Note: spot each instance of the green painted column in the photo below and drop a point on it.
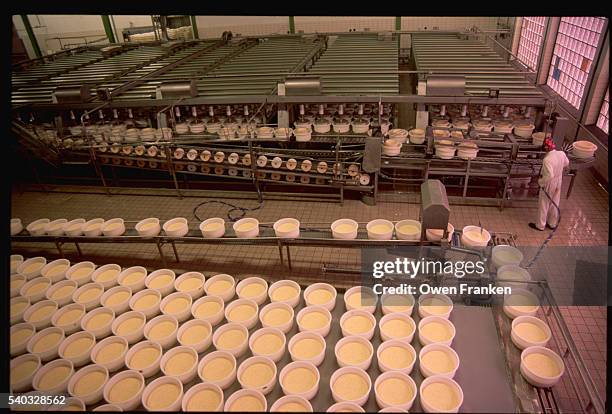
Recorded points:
(108, 28)
(291, 24)
(398, 26)
(195, 27)
(28, 27)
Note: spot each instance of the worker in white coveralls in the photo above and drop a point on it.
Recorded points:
(551, 179)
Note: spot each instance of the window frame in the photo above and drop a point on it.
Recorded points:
(541, 48)
(577, 112)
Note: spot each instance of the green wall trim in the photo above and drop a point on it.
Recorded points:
(31, 35)
(398, 23)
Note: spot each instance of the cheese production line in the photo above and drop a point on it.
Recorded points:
(285, 112)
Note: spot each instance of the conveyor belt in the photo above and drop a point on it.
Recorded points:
(147, 89)
(60, 64)
(483, 68)
(273, 55)
(92, 74)
(359, 53)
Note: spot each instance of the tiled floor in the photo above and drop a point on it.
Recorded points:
(585, 222)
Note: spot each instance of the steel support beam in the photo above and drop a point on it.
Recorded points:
(31, 35)
(108, 28)
(291, 24)
(195, 27)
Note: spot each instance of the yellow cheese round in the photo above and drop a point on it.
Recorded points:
(358, 300)
(161, 281)
(176, 226)
(542, 365)
(133, 278)
(395, 391)
(436, 332)
(277, 317)
(320, 297)
(81, 272)
(69, 317)
(409, 229)
(33, 267)
(397, 328)
(299, 380)
(257, 375)
(284, 293)
(129, 325)
(148, 226)
(314, 320)
(180, 363)
(214, 226)
(37, 288)
(439, 362)
(57, 269)
(107, 275)
(381, 228)
(307, 348)
(204, 400)
(21, 336)
(246, 227)
(53, 377)
(144, 357)
(17, 283)
(48, 341)
(190, 284)
(252, 290)
(22, 371)
(146, 302)
(98, 321)
(292, 407)
(441, 396)
(217, 369)
(396, 357)
(163, 396)
(117, 298)
(176, 305)
(246, 403)
(530, 332)
(88, 383)
(124, 389)
(78, 347)
(354, 353)
(64, 291)
(230, 339)
(241, 313)
(110, 352)
(267, 344)
(194, 334)
(350, 386)
(207, 309)
(357, 324)
(89, 295)
(219, 286)
(344, 228)
(161, 330)
(18, 307)
(42, 313)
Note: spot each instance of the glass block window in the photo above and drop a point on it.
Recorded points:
(530, 41)
(575, 49)
(603, 121)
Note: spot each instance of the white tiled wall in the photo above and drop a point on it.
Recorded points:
(47, 26)
(447, 23)
(214, 26)
(342, 23)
